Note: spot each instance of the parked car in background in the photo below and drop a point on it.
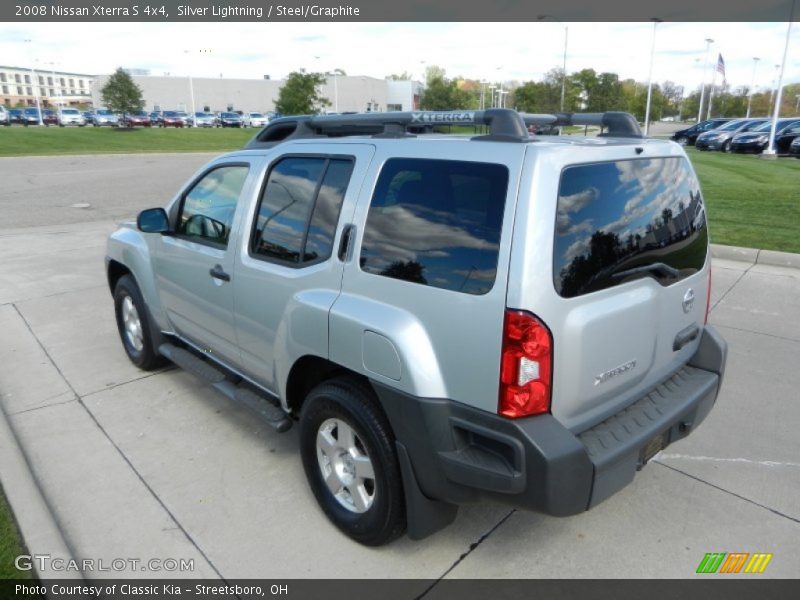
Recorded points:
(5, 118)
(230, 119)
(88, 117)
(30, 116)
(49, 117)
(16, 116)
(787, 137)
(136, 119)
(174, 118)
(255, 119)
(105, 117)
(70, 116)
(794, 148)
(687, 137)
(156, 117)
(203, 119)
(720, 138)
(756, 140)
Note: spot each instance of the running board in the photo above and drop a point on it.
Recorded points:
(264, 406)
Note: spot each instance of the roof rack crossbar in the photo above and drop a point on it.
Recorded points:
(503, 124)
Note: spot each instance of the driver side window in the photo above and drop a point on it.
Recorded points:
(207, 209)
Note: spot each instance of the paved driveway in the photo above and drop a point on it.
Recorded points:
(138, 465)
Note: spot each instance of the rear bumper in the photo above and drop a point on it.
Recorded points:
(459, 454)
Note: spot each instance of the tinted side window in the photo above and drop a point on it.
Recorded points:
(624, 220)
(437, 223)
(299, 209)
(322, 227)
(208, 208)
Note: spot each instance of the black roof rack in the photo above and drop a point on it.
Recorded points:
(503, 124)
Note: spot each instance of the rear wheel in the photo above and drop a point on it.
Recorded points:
(134, 326)
(682, 140)
(726, 146)
(350, 461)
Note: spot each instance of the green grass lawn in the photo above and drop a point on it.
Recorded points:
(10, 544)
(27, 141)
(750, 201)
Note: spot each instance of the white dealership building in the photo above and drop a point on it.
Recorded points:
(346, 93)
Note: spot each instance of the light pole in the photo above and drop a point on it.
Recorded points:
(797, 104)
(500, 91)
(564, 69)
(191, 91)
(770, 150)
(35, 92)
(752, 84)
(656, 21)
(709, 41)
(773, 87)
(492, 88)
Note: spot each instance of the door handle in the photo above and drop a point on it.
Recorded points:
(217, 273)
(346, 243)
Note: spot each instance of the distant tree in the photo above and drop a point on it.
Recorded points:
(300, 94)
(121, 94)
(444, 94)
(433, 72)
(404, 76)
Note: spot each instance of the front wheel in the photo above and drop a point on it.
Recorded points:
(134, 326)
(350, 461)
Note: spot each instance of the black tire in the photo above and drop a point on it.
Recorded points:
(146, 357)
(682, 140)
(726, 146)
(353, 402)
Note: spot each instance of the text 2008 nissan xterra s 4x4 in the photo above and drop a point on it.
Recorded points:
(503, 317)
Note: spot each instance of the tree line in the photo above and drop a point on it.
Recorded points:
(589, 91)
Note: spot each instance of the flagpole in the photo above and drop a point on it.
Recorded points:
(711, 91)
(770, 149)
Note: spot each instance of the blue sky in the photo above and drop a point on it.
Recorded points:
(495, 51)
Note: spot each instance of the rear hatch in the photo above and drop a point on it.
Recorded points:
(624, 294)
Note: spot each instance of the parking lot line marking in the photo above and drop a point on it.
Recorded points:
(722, 489)
(762, 463)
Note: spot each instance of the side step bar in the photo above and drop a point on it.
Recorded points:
(265, 407)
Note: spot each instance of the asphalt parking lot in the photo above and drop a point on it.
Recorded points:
(142, 465)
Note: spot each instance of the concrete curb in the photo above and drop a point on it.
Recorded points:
(41, 533)
(754, 256)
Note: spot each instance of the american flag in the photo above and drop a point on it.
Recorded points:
(721, 66)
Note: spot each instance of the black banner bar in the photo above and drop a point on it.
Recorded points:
(710, 587)
(390, 10)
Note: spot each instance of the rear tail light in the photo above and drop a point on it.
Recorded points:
(708, 296)
(525, 366)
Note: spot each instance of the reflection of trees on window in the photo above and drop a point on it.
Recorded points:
(409, 270)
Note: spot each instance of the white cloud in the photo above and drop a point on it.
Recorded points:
(522, 51)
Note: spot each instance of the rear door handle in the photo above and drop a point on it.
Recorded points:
(346, 242)
(217, 273)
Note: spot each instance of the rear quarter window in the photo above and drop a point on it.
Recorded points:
(625, 220)
(436, 223)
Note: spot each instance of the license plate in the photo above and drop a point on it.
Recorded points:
(651, 448)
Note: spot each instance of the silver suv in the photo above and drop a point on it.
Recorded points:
(450, 319)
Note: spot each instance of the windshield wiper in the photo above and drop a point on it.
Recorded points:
(658, 267)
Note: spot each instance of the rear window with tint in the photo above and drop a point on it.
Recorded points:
(624, 220)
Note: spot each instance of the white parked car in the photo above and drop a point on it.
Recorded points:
(70, 116)
(255, 119)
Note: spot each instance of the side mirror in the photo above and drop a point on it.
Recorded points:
(153, 220)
